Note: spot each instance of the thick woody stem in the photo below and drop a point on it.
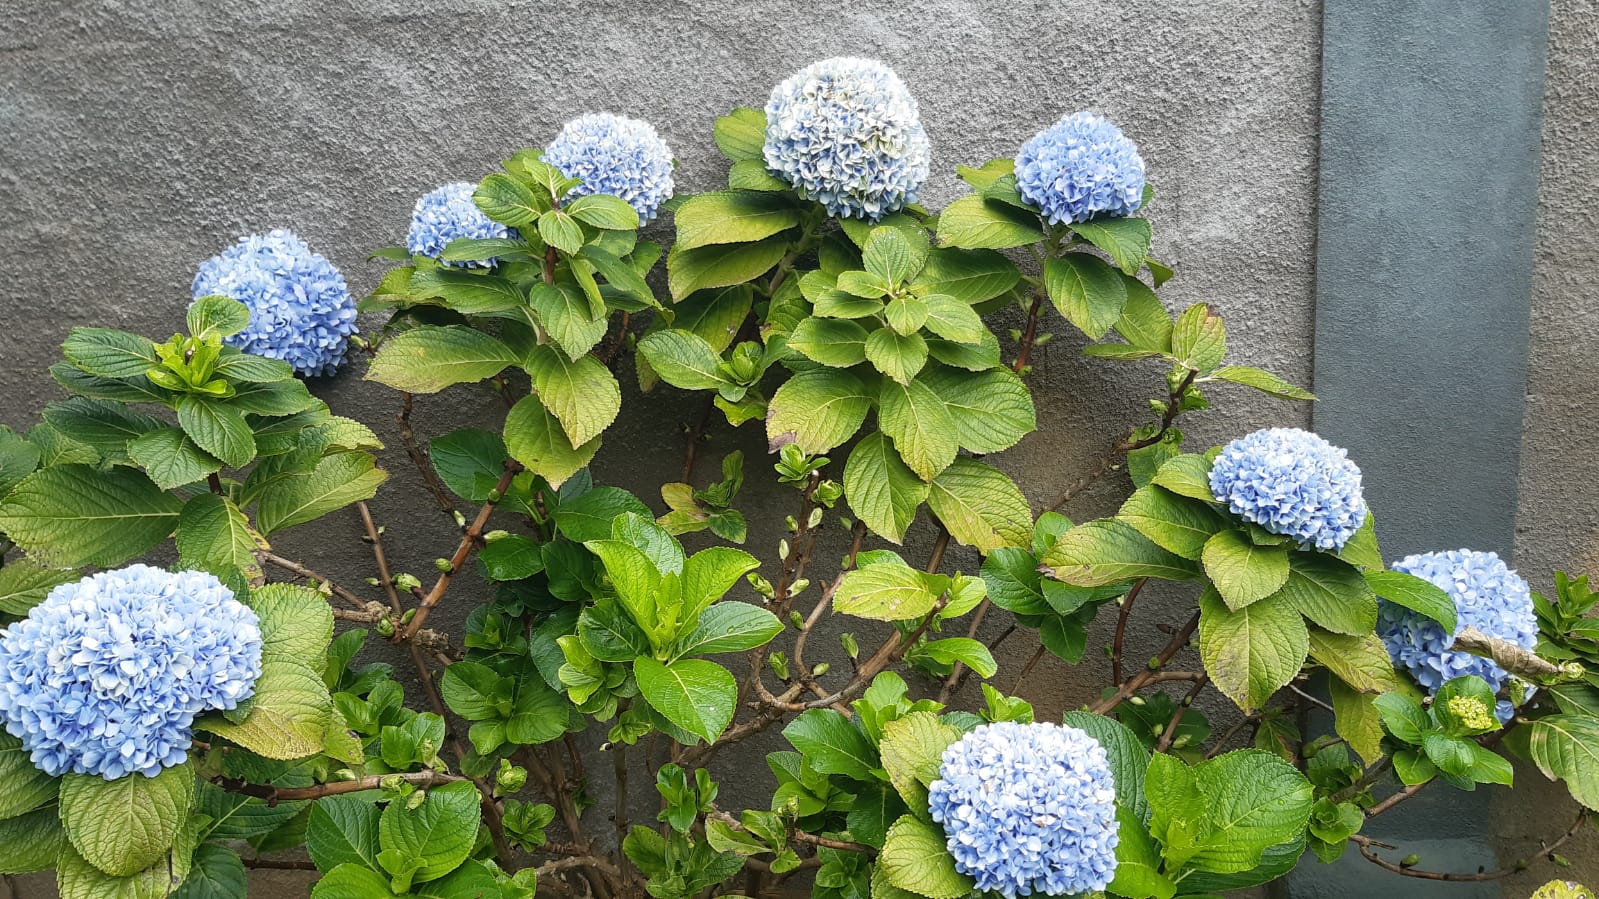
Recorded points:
(275, 795)
(472, 537)
(1523, 663)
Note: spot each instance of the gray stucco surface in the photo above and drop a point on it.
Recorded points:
(139, 138)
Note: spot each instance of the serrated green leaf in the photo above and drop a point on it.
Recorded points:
(969, 276)
(683, 359)
(1566, 747)
(1089, 293)
(693, 694)
(833, 342)
(213, 535)
(912, 749)
(732, 216)
(1145, 323)
(1199, 340)
(296, 622)
(103, 425)
(991, 410)
(1416, 594)
(1127, 755)
(439, 833)
(288, 716)
(721, 265)
(1223, 815)
(1175, 523)
(1106, 551)
(1242, 571)
(1355, 719)
(974, 223)
(900, 356)
(536, 439)
(915, 859)
(216, 872)
(74, 515)
(603, 211)
(1330, 593)
(881, 489)
(1125, 240)
(343, 830)
(817, 410)
(218, 429)
(914, 416)
(23, 585)
(110, 353)
(887, 592)
(1263, 381)
(336, 482)
(741, 134)
(469, 462)
(218, 315)
(582, 395)
(125, 825)
(171, 458)
(981, 506)
(27, 788)
(428, 359)
(506, 200)
(31, 842)
(1251, 653)
(832, 744)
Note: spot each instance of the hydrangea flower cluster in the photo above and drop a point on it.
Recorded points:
(1028, 808)
(106, 675)
(300, 308)
(615, 155)
(1291, 482)
(447, 214)
(1081, 167)
(1488, 596)
(846, 133)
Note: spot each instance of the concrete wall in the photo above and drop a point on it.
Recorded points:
(140, 137)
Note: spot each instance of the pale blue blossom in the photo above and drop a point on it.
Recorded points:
(845, 132)
(1079, 168)
(1488, 596)
(1291, 482)
(300, 308)
(615, 155)
(106, 675)
(1028, 808)
(448, 213)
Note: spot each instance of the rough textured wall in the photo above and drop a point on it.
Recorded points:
(1557, 522)
(140, 137)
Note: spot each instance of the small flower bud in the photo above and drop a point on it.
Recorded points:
(782, 549)
(820, 669)
(796, 619)
(407, 582)
(798, 587)
(1410, 860)
(416, 800)
(851, 647)
(409, 614)
(495, 536)
(394, 783)
(372, 582)
(443, 565)
(385, 627)
(460, 519)
(816, 517)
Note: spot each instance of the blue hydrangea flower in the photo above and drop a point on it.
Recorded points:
(1081, 167)
(447, 214)
(300, 308)
(1488, 596)
(615, 155)
(1028, 808)
(1291, 482)
(845, 132)
(107, 674)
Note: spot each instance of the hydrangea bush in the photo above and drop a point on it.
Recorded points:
(166, 728)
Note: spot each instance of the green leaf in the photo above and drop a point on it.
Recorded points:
(123, 826)
(833, 744)
(1243, 572)
(906, 314)
(343, 830)
(1199, 340)
(440, 833)
(1361, 550)
(218, 429)
(233, 816)
(217, 315)
(817, 410)
(296, 623)
(511, 558)
(635, 579)
(561, 231)
(969, 276)
(78, 879)
(18, 459)
(31, 842)
(469, 462)
(981, 506)
(589, 516)
(833, 342)
(683, 359)
(1087, 291)
(213, 535)
(110, 353)
(732, 216)
(1127, 755)
(536, 439)
(953, 319)
(1566, 747)
(428, 359)
(1145, 323)
(912, 749)
(693, 694)
(708, 575)
(972, 653)
(886, 592)
(881, 489)
(582, 395)
(274, 399)
(27, 788)
(893, 256)
(1223, 815)
(288, 716)
(721, 265)
(506, 200)
(1416, 594)
(1186, 475)
(1360, 661)
(914, 415)
(1355, 719)
(915, 859)
(216, 872)
(1125, 240)
(349, 881)
(1263, 381)
(974, 223)
(991, 411)
(23, 585)
(741, 134)
(1251, 653)
(1106, 551)
(74, 515)
(336, 482)
(564, 312)
(103, 425)
(729, 627)
(1174, 523)
(1331, 593)
(1138, 861)
(900, 356)
(603, 211)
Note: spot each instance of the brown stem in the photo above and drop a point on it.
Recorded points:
(472, 537)
(615, 350)
(1022, 675)
(694, 438)
(1521, 662)
(1167, 419)
(1139, 680)
(376, 538)
(1177, 716)
(274, 795)
(278, 864)
(1029, 333)
(799, 836)
(1221, 742)
(1367, 849)
(214, 481)
(419, 458)
(294, 567)
(1395, 799)
(1121, 629)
